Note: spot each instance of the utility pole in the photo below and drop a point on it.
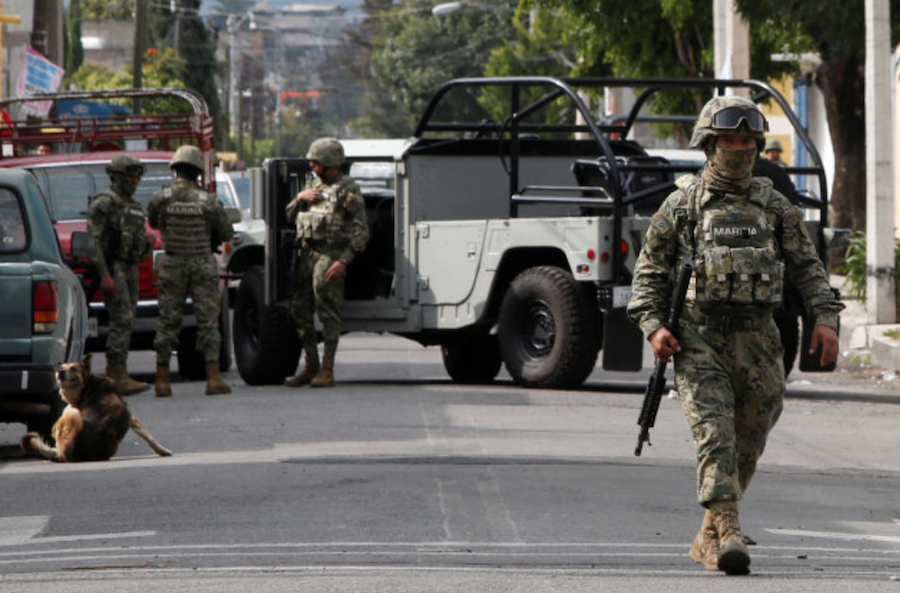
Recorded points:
(140, 45)
(4, 72)
(881, 305)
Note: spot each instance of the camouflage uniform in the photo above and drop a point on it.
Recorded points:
(191, 221)
(744, 237)
(330, 230)
(730, 371)
(117, 222)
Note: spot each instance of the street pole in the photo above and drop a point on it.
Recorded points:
(140, 40)
(881, 305)
(14, 20)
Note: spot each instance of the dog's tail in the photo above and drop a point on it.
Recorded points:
(34, 444)
(138, 427)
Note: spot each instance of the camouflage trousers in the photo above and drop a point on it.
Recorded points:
(315, 295)
(730, 381)
(196, 276)
(122, 308)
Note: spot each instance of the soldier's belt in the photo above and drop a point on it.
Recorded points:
(730, 323)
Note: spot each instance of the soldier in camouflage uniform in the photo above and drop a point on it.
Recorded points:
(193, 224)
(117, 222)
(729, 371)
(330, 215)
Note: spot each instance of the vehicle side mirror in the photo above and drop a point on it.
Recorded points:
(233, 214)
(83, 244)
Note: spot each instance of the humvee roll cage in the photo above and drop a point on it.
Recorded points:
(605, 138)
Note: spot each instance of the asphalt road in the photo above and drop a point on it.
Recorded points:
(398, 480)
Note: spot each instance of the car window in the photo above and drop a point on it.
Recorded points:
(241, 185)
(225, 192)
(12, 223)
(68, 187)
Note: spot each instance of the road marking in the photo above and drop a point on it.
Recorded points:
(836, 535)
(20, 531)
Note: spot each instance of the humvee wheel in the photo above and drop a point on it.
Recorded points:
(472, 358)
(266, 346)
(545, 340)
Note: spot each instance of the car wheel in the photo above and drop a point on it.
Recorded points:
(266, 346)
(43, 425)
(547, 338)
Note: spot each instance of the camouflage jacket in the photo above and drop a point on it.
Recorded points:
(117, 224)
(669, 239)
(191, 220)
(337, 222)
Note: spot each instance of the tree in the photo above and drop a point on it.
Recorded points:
(414, 52)
(75, 51)
(836, 30)
(180, 26)
(161, 69)
(99, 10)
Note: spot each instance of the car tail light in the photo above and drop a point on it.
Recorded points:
(45, 306)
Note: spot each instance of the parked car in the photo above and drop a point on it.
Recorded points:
(43, 310)
(80, 150)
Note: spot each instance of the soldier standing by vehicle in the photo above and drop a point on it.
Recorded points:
(330, 216)
(117, 222)
(773, 151)
(193, 224)
(729, 369)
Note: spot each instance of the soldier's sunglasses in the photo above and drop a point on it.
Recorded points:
(134, 170)
(731, 118)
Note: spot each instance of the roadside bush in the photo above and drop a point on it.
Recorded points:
(854, 268)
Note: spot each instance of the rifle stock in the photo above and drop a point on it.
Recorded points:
(657, 384)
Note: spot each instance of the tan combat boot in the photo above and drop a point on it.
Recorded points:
(163, 389)
(734, 557)
(705, 550)
(325, 376)
(310, 369)
(214, 383)
(127, 385)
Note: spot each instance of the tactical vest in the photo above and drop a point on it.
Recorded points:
(185, 231)
(738, 255)
(323, 219)
(127, 240)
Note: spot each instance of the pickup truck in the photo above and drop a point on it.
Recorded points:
(43, 310)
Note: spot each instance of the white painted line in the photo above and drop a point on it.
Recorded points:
(836, 535)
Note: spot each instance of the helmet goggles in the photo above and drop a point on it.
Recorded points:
(730, 118)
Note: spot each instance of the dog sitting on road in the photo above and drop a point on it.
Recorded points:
(93, 424)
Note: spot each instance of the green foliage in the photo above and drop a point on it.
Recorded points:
(115, 10)
(855, 269)
(160, 70)
(538, 50)
(415, 52)
(187, 34)
(75, 51)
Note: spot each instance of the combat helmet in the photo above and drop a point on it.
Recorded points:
(126, 165)
(327, 151)
(729, 115)
(773, 144)
(187, 155)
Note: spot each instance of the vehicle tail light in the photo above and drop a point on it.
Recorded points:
(45, 306)
(623, 247)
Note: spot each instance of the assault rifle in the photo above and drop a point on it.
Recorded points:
(657, 383)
